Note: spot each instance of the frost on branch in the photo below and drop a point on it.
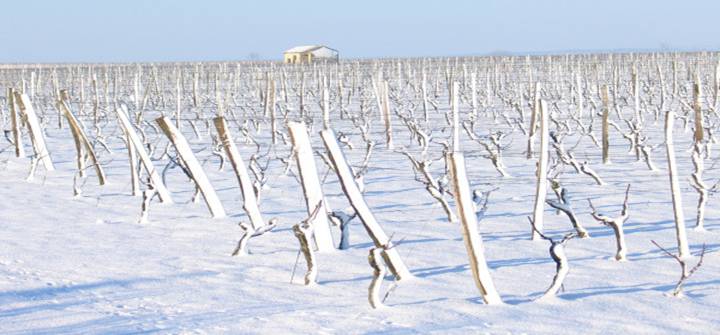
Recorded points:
(557, 252)
(564, 205)
(304, 232)
(686, 272)
(616, 224)
(376, 262)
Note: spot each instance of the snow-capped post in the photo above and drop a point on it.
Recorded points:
(562, 266)
(133, 140)
(386, 114)
(533, 122)
(616, 224)
(304, 232)
(357, 201)
(375, 260)
(681, 235)
(542, 168)
(471, 236)
(15, 122)
(686, 272)
(196, 172)
(605, 95)
(81, 142)
(311, 185)
(250, 203)
(455, 117)
(36, 132)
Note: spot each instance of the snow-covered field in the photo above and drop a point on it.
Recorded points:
(85, 265)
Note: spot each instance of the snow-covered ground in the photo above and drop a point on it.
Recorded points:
(85, 265)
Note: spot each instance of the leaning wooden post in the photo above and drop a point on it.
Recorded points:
(134, 140)
(36, 132)
(683, 248)
(352, 192)
(312, 190)
(250, 203)
(15, 120)
(82, 141)
(471, 236)
(196, 172)
(541, 190)
(605, 125)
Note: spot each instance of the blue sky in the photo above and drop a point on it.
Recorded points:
(177, 30)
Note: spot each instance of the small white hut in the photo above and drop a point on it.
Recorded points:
(309, 54)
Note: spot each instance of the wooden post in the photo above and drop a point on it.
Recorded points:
(197, 174)
(533, 122)
(15, 120)
(455, 116)
(325, 105)
(697, 105)
(134, 140)
(681, 235)
(83, 141)
(471, 236)
(250, 203)
(350, 188)
(541, 190)
(605, 125)
(311, 185)
(36, 132)
(386, 114)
